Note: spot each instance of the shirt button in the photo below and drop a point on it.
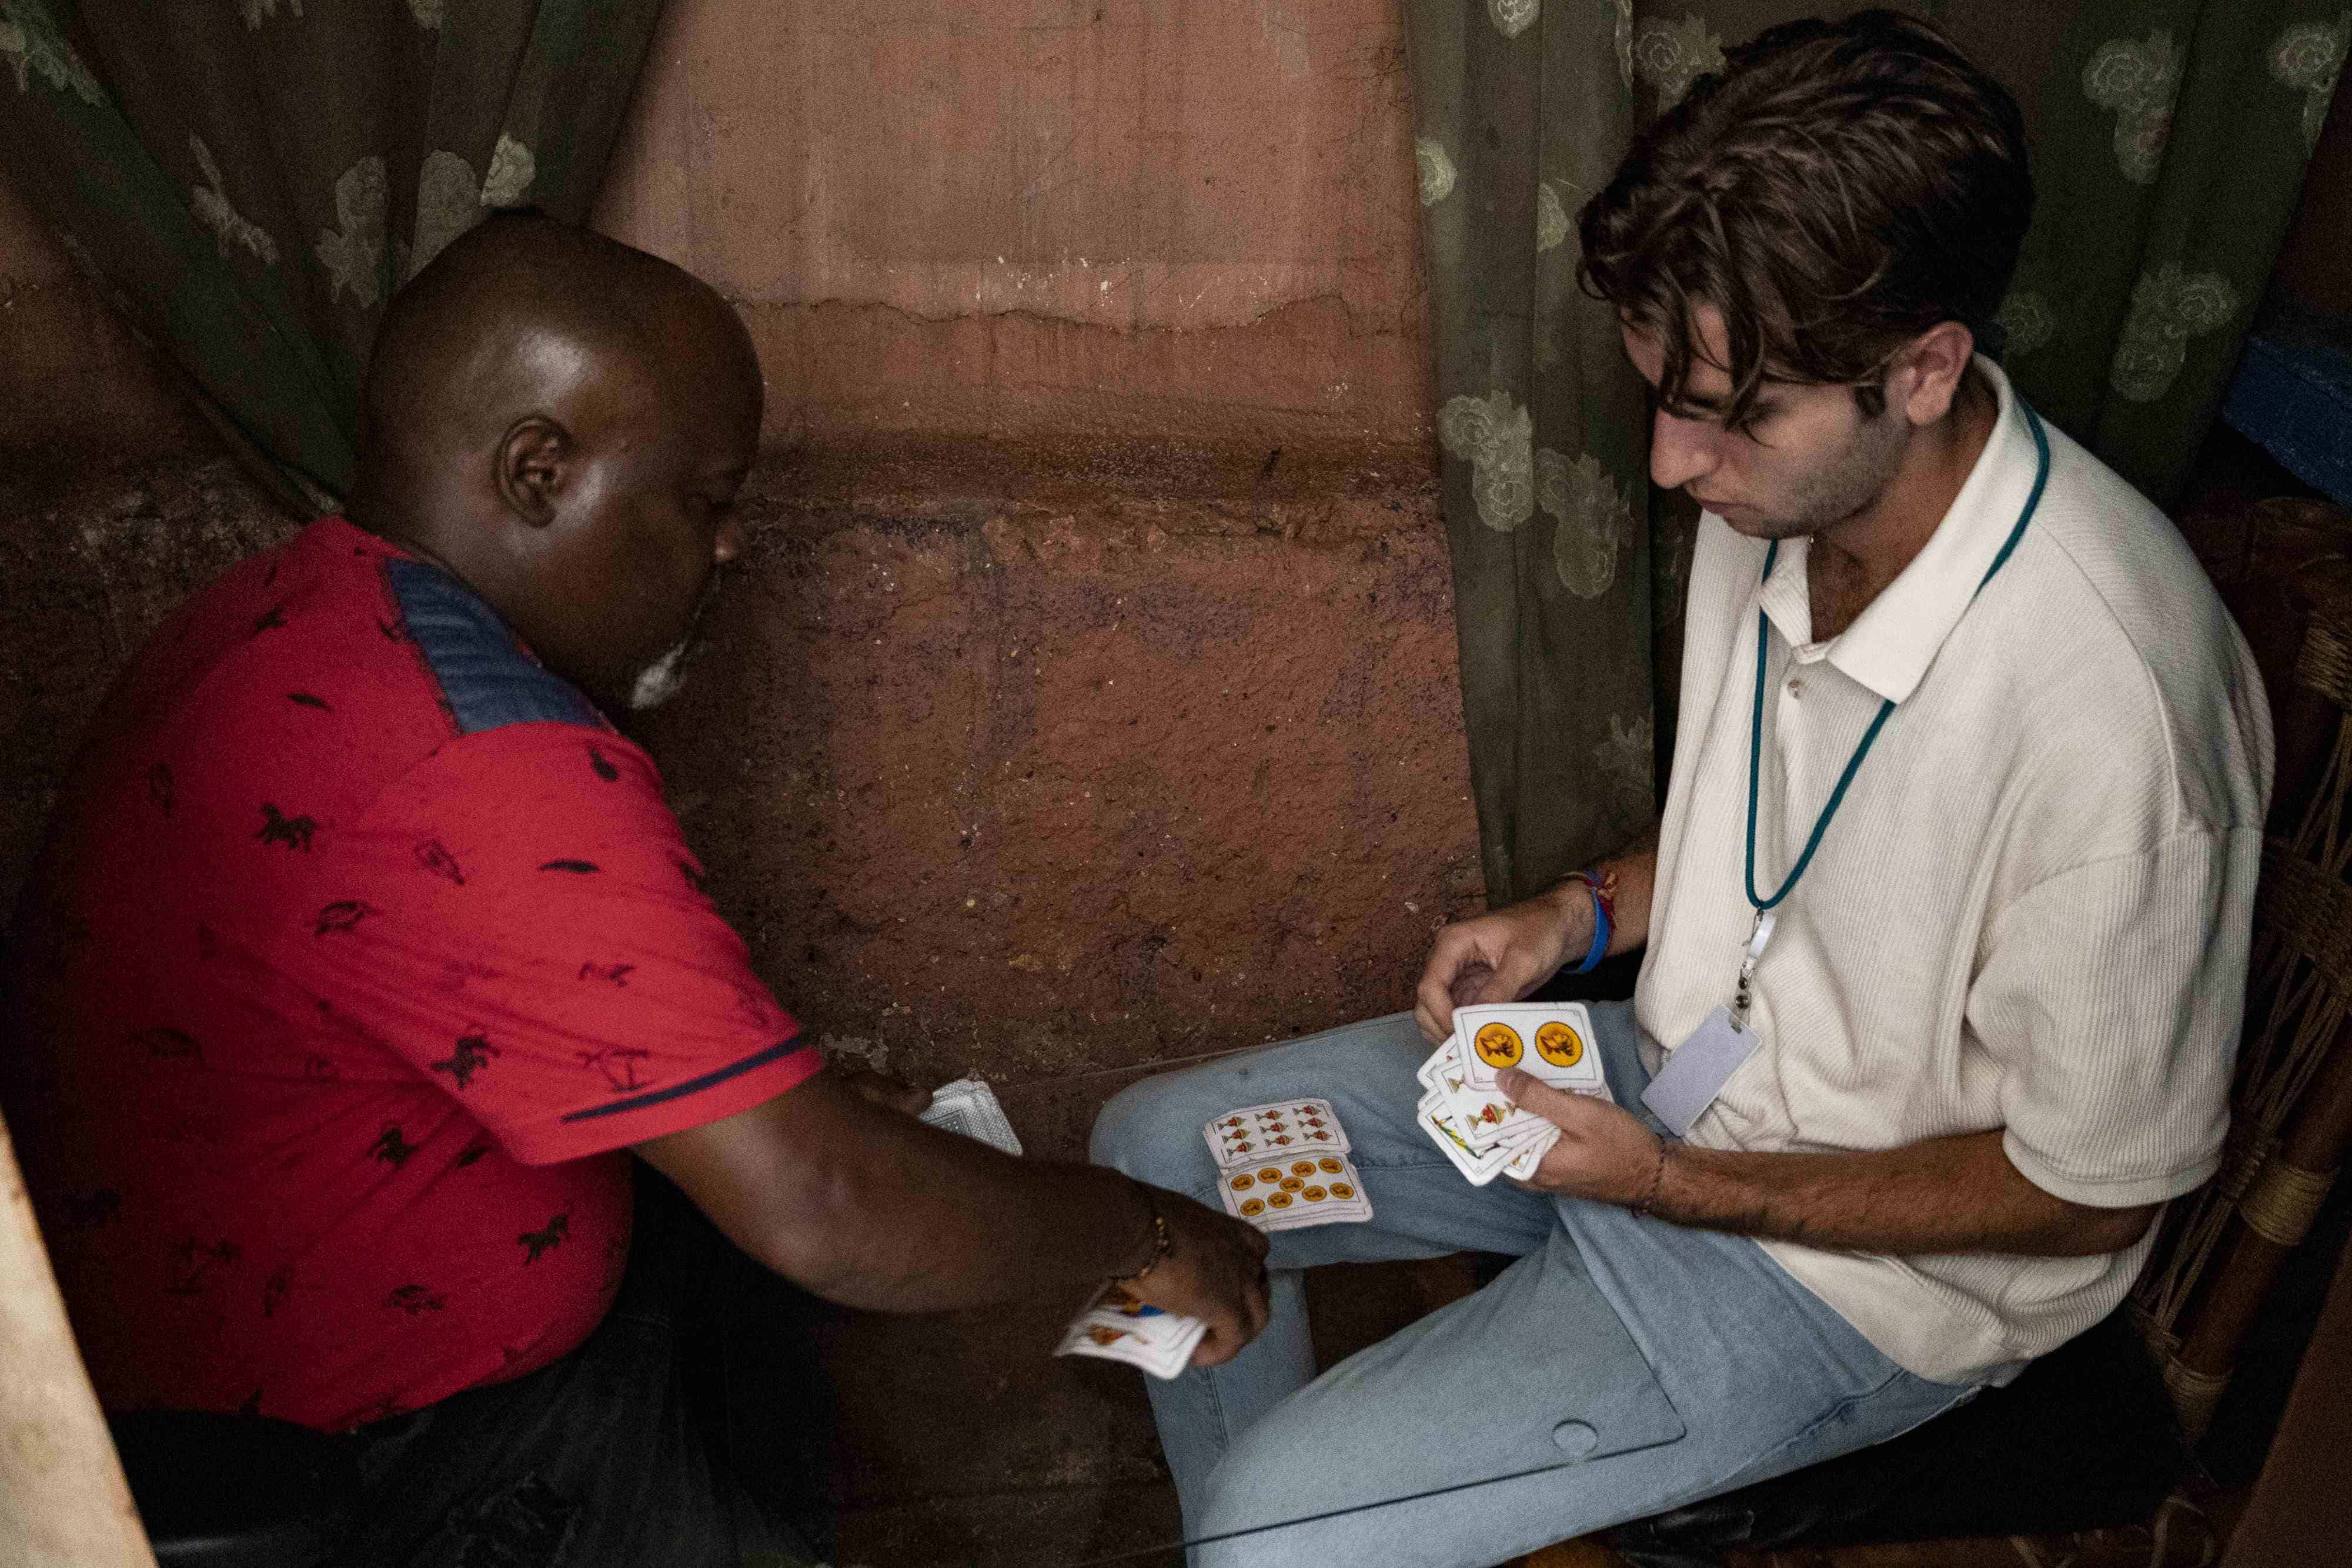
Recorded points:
(1796, 687)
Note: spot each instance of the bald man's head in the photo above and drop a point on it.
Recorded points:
(562, 421)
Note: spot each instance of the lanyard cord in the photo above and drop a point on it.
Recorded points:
(1886, 709)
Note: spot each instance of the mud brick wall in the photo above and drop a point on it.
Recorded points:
(1086, 695)
(1028, 762)
(1086, 698)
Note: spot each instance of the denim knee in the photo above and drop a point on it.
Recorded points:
(1148, 1131)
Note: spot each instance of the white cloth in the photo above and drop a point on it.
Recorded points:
(2032, 910)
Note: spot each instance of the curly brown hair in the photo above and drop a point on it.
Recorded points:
(1839, 188)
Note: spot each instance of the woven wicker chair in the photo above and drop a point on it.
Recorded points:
(2291, 1099)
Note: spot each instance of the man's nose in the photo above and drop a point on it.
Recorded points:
(729, 544)
(1681, 450)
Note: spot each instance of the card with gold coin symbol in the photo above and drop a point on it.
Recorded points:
(1558, 1044)
(1277, 1187)
(1550, 1041)
(1497, 1045)
(1326, 1190)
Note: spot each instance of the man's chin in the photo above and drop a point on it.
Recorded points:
(1749, 523)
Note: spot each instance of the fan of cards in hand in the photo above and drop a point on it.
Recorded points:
(1279, 1168)
(1463, 1109)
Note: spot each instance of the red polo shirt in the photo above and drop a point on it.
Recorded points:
(361, 947)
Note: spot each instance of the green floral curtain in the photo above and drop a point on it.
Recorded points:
(250, 180)
(1521, 110)
(2170, 140)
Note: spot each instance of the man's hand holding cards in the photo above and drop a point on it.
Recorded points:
(1279, 1167)
(1466, 1111)
(1119, 1325)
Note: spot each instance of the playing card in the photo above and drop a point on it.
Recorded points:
(1442, 1063)
(1550, 1041)
(1489, 1118)
(1478, 1115)
(1260, 1132)
(1296, 1190)
(1479, 1128)
(1120, 1327)
(1531, 1153)
(969, 1106)
(1478, 1168)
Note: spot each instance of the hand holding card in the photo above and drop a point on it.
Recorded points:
(1212, 1269)
(1602, 1152)
(1466, 1113)
(1118, 1325)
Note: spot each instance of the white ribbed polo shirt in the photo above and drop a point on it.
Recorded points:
(2031, 909)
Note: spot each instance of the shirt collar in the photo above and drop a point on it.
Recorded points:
(1891, 643)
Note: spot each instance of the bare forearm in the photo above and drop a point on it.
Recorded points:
(1946, 1195)
(874, 1210)
(957, 1224)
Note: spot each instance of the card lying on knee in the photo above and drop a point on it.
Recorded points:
(1306, 1189)
(1288, 1127)
(1285, 1165)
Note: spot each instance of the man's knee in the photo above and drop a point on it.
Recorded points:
(1146, 1131)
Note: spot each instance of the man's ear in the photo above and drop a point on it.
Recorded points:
(1929, 371)
(534, 461)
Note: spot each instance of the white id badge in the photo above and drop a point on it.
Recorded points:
(1696, 1071)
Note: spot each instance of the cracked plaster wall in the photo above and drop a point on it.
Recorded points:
(1190, 217)
(1113, 219)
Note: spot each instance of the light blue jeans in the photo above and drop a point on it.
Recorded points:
(1622, 1366)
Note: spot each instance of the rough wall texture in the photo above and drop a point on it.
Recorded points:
(1115, 216)
(1025, 763)
(1086, 699)
(1130, 219)
(1050, 771)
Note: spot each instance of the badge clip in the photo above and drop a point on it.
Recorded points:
(1745, 992)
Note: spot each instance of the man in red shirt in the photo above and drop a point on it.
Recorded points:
(363, 950)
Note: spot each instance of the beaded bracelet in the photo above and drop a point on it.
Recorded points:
(1161, 1241)
(1641, 1206)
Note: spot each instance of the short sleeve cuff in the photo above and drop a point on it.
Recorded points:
(2106, 1192)
(712, 1096)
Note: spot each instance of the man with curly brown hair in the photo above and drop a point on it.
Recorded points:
(1946, 918)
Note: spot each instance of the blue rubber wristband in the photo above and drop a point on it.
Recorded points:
(1601, 932)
